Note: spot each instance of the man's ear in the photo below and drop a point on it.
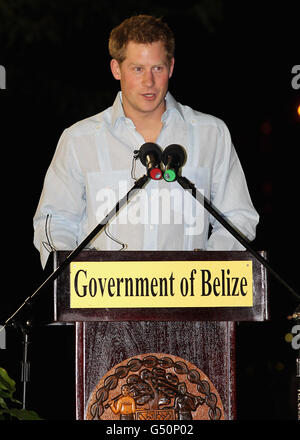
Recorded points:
(171, 67)
(115, 69)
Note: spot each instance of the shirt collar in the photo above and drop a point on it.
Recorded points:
(118, 112)
(117, 109)
(172, 105)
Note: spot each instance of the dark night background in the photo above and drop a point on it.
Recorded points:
(233, 60)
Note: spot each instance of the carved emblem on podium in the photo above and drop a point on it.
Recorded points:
(155, 387)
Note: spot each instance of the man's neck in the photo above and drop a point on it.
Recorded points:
(149, 128)
(149, 124)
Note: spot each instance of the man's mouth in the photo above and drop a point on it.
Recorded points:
(149, 96)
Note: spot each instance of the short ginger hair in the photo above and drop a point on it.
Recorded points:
(143, 29)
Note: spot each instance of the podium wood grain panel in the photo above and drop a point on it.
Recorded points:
(210, 346)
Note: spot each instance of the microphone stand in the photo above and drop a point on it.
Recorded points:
(139, 184)
(25, 372)
(25, 364)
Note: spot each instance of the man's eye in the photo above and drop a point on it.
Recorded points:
(138, 69)
(158, 68)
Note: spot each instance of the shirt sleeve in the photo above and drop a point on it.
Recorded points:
(230, 196)
(61, 206)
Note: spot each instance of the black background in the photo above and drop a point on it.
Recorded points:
(233, 60)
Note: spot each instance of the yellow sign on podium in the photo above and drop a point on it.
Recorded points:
(167, 284)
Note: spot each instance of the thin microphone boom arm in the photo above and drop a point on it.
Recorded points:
(139, 184)
(186, 184)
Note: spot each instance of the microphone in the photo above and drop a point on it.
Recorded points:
(150, 156)
(173, 158)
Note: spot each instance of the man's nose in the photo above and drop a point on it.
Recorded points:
(148, 78)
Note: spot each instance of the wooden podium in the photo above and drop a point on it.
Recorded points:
(157, 362)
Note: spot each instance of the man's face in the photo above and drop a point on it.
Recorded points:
(144, 77)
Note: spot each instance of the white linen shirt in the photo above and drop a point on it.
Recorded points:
(91, 171)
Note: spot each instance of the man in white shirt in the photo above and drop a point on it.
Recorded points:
(92, 166)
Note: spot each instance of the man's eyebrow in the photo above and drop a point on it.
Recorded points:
(140, 64)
